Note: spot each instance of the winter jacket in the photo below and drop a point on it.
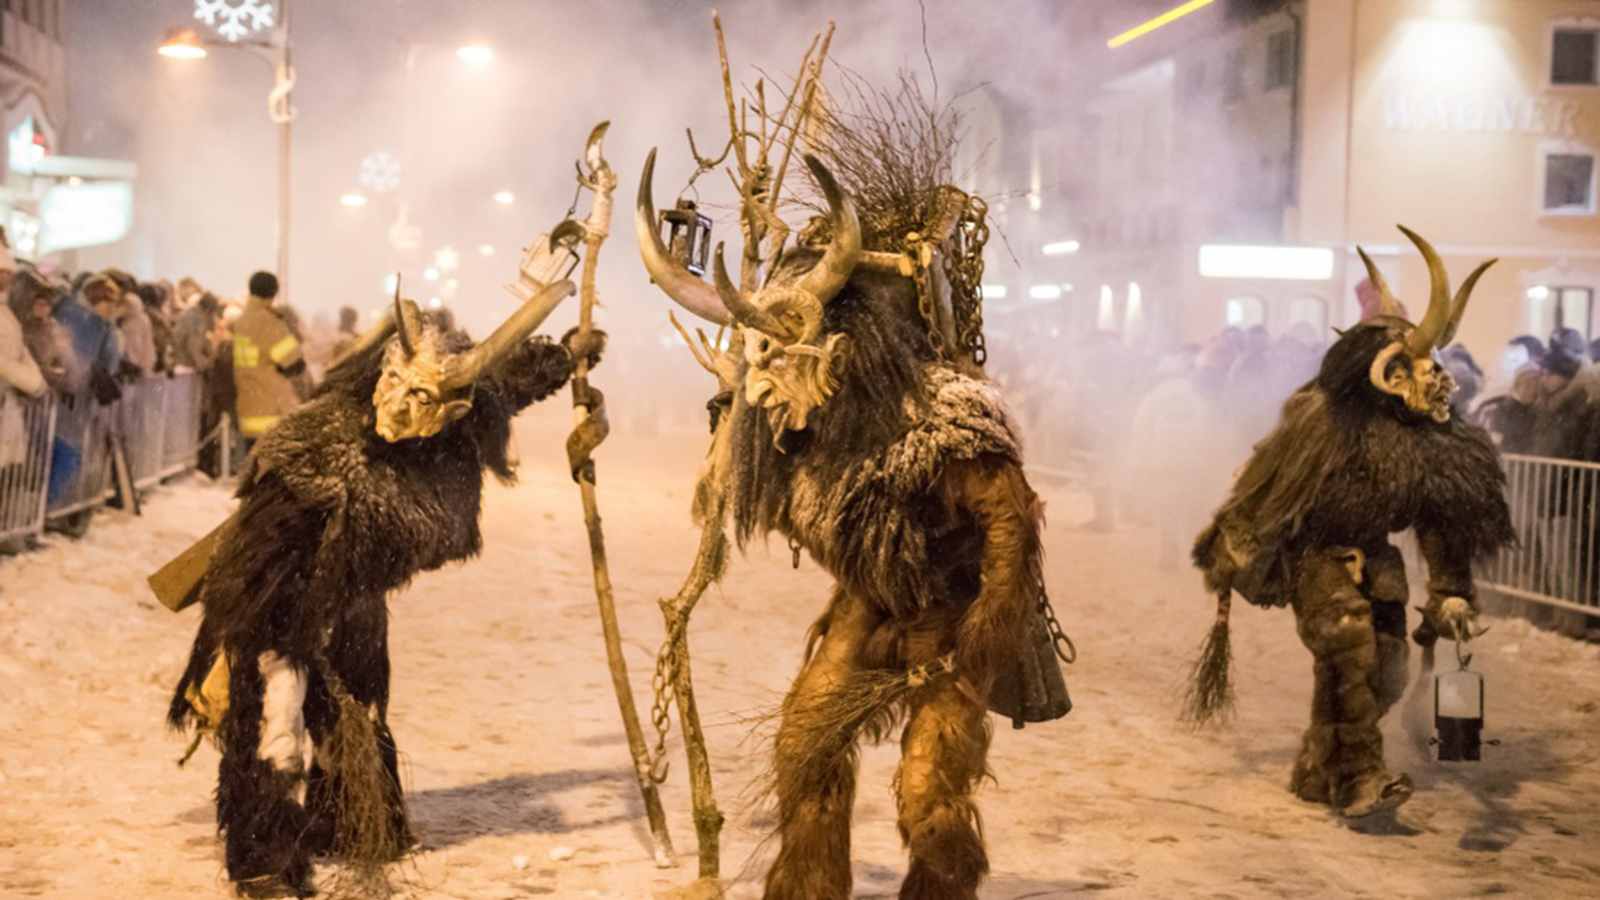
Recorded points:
(191, 341)
(266, 357)
(138, 335)
(18, 374)
(93, 339)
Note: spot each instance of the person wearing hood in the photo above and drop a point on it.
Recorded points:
(32, 298)
(86, 316)
(138, 334)
(18, 371)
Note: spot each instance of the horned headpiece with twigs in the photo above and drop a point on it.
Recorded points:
(1406, 368)
(777, 306)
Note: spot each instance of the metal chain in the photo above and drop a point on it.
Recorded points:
(919, 274)
(1065, 649)
(964, 271)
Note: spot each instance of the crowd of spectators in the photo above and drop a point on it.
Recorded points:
(85, 337)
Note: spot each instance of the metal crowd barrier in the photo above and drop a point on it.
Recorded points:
(1557, 558)
(27, 429)
(56, 457)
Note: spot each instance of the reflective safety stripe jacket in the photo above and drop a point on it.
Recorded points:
(263, 347)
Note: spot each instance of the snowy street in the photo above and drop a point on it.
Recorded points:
(518, 771)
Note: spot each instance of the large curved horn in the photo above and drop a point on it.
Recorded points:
(403, 322)
(745, 312)
(676, 281)
(1459, 307)
(1387, 304)
(471, 365)
(1426, 335)
(844, 251)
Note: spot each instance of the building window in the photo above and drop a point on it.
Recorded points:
(1280, 60)
(1568, 182)
(1244, 312)
(1553, 306)
(1233, 76)
(1575, 56)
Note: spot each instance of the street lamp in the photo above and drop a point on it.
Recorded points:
(475, 54)
(187, 44)
(182, 43)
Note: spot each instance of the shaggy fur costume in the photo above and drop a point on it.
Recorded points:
(1307, 525)
(331, 519)
(907, 487)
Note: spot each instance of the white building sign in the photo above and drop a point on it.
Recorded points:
(1541, 116)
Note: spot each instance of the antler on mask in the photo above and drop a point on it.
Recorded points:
(791, 311)
(470, 366)
(424, 387)
(1423, 385)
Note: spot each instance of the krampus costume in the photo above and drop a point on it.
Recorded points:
(861, 428)
(376, 478)
(1368, 448)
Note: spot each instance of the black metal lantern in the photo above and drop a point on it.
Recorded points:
(687, 235)
(1458, 713)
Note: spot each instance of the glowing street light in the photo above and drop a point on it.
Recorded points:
(994, 292)
(1059, 248)
(485, 249)
(430, 274)
(505, 198)
(353, 200)
(182, 43)
(477, 55)
(1044, 292)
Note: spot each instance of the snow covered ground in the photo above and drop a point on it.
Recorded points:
(503, 709)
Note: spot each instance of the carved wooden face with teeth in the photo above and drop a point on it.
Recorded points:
(411, 399)
(1406, 368)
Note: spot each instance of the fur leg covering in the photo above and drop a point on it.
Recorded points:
(359, 788)
(1386, 585)
(942, 759)
(261, 781)
(814, 762)
(1334, 620)
(992, 630)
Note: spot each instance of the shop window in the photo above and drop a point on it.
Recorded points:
(1244, 312)
(1568, 182)
(1280, 60)
(1575, 56)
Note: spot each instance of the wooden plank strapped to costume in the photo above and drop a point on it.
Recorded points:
(177, 584)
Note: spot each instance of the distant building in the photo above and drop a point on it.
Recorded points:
(1230, 161)
(49, 202)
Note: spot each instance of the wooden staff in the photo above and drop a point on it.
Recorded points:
(753, 181)
(589, 430)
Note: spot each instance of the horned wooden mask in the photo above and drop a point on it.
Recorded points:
(1407, 368)
(425, 387)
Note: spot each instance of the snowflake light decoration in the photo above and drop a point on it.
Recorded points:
(234, 19)
(379, 172)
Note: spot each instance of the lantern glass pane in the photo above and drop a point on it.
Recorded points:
(548, 265)
(1460, 695)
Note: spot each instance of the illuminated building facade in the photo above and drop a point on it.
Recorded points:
(50, 204)
(1241, 151)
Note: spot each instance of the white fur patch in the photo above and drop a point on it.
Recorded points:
(284, 743)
